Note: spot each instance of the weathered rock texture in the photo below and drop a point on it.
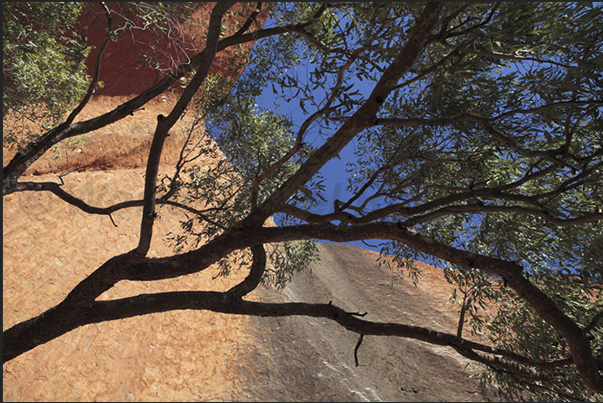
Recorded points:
(50, 246)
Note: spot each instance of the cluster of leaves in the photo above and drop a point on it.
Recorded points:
(165, 23)
(44, 72)
(287, 259)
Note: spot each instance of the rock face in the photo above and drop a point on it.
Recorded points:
(50, 246)
(310, 359)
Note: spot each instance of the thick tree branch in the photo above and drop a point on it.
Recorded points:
(258, 266)
(100, 311)
(119, 268)
(164, 124)
(400, 208)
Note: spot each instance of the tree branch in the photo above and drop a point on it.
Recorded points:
(498, 55)
(121, 268)
(472, 117)
(357, 347)
(164, 124)
(100, 311)
(254, 277)
(97, 65)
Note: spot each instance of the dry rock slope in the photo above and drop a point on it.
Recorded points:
(310, 359)
(49, 246)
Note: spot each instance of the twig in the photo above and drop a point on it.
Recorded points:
(357, 347)
(593, 322)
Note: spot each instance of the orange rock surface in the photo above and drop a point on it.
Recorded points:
(50, 246)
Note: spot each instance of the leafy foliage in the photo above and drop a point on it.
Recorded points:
(518, 328)
(478, 140)
(44, 73)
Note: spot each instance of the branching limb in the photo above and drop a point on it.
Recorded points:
(572, 182)
(314, 218)
(472, 117)
(297, 146)
(498, 55)
(97, 66)
(125, 267)
(361, 118)
(449, 34)
(389, 165)
(497, 363)
(56, 189)
(254, 277)
(427, 71)
(430, 211)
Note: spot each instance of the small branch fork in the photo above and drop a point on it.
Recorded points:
(356, 348)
